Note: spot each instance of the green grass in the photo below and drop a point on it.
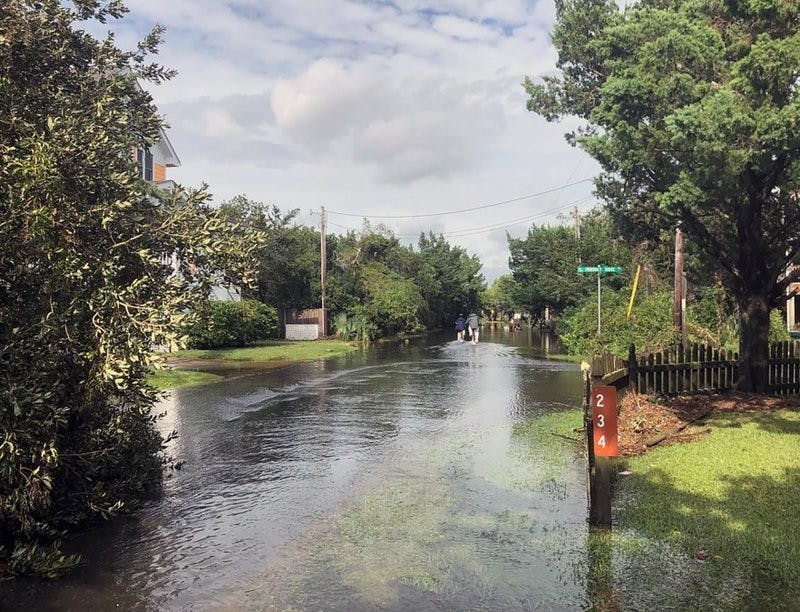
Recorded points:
(172, 379)
(278, 350)
(731, 498)
(566, 357)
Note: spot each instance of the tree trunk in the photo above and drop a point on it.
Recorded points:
(753, 343)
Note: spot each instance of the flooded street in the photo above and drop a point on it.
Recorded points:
(410, 477)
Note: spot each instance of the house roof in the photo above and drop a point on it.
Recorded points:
(164, 146)
(168, 153)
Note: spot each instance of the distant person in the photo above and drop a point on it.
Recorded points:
(472, 324)
(461, 325)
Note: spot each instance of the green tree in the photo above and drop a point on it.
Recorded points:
(455, 284)
(691, 108)
(545, 264)
(370, 282)
(86, 287)
(392, 303)
(372, 265)
(502, 295)
(288, 274)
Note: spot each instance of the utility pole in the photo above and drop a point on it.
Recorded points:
(679, 294)
(577, 218)
(323, 269)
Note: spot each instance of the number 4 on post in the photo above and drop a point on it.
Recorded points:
(604, 421)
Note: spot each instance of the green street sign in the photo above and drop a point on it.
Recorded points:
(599, 270)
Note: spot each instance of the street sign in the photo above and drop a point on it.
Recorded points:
(599, 270)
(604, 421)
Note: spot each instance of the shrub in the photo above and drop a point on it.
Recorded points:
(355, 327)
(649, 327)
(392, 304)
(221, 324)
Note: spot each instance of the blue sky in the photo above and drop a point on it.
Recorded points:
(372, 108)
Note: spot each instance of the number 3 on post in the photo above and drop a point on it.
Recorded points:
(604, 421)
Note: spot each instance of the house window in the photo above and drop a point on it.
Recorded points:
(145, 160)
(796, 301)
(148, 166)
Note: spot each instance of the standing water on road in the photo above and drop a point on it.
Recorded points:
(419, 476)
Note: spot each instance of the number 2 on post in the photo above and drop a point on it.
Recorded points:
(604, 421)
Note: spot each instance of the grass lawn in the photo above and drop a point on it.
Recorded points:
(730, 500)
(171, 379)
(565, 357)
(276, 350)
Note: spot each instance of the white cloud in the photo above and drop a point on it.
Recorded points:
(464, 29)
(324, 100)
(408, 107)
(218, 123)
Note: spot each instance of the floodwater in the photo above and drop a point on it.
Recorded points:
(406, 477)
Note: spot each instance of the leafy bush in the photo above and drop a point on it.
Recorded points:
(355, 327)
(649, 327)
(85, 290)
(221, 324)
(392, 304)
(777, 326)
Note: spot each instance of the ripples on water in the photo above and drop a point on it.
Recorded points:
(273, 461)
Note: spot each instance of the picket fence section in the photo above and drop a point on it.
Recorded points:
(696, 368)
(784, 367)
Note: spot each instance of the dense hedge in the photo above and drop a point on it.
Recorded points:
(710, 319)
(221, 324)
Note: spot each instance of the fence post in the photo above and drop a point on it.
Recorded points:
(586, 372)
(633, 370)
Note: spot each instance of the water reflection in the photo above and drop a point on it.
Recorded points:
(275, 463)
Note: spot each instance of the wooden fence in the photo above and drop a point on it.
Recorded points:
(308, 316)
(696, 368)
(784, 367)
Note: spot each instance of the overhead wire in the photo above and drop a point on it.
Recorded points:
(490, 228)
(474, 231)
(462, 210)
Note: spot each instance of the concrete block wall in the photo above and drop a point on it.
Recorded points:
(298, 331)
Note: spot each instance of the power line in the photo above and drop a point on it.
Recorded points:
(474, 231)
(490, 228)
(472, 208)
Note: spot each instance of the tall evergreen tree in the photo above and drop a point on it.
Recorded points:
(692, 108)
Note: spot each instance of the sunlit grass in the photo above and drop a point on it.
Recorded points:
(278, 350)
(172, 379)
(565, 357)
(729, 499)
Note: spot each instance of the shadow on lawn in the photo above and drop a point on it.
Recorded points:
(771, 422)
(742, 549)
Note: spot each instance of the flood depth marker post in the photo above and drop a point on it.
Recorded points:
(599, 270)
(604, 447)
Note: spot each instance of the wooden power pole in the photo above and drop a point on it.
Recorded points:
(679, 294)
(323, 269)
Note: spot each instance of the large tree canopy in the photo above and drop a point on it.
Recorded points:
(87, 287)
(545, 264)
(692, 109)
(288, 259)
